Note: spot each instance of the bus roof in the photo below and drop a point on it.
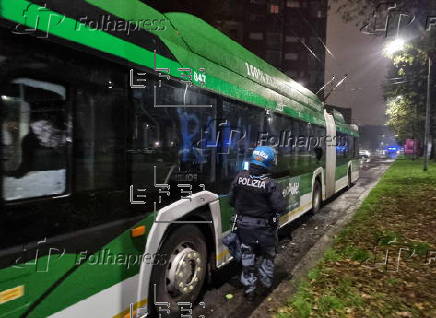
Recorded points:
(230, 69)
(231, 59)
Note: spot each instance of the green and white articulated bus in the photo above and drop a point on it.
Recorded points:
(121, 130)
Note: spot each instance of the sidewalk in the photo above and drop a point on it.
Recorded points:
(382, 264)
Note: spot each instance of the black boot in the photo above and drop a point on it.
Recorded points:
(265, 291)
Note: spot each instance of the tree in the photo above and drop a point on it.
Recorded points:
(406, 89)
(405, 92)
(406, 84)
(403, 118)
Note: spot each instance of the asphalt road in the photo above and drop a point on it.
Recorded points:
(297, 242)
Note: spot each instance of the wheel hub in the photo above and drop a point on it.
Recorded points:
(183, 275)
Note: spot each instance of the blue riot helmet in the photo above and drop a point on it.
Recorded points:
(264, 156)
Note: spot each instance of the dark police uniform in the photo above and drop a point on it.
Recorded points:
(258, 201)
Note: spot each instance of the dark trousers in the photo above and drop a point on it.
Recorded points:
(258, 251)
(257, 264)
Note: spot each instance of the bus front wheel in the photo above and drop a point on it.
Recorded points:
(183, 274)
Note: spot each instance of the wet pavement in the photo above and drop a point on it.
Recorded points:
(301, 244)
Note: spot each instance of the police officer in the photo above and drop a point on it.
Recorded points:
(258, 203)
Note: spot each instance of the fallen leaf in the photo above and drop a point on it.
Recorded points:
(366, 296)
(411, 294)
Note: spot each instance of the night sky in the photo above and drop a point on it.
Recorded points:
(360, 56)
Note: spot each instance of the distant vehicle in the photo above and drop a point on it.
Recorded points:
(391, 151)
(365, 155)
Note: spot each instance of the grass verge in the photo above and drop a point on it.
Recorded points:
(383, 263)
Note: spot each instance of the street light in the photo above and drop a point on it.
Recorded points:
(398, 45)
(394, 46)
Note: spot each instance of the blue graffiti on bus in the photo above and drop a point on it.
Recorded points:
(190, 127)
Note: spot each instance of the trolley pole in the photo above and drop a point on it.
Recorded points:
(427, 137)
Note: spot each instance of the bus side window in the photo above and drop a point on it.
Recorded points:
(341, 151)
(154, 141)
(279, 129)
(356, 147)
(350, 146)
(319, 143)
(169, 143)
(239, 132)
(99, 138)
(35, 130)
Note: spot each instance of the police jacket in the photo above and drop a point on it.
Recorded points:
(253, 193)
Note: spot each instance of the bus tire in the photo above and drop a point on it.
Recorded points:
(182, 275)
(350, 183)
(316, 197)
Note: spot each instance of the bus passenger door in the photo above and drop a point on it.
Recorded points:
(330, 164)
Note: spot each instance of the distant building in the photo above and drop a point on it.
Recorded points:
(289, 34)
